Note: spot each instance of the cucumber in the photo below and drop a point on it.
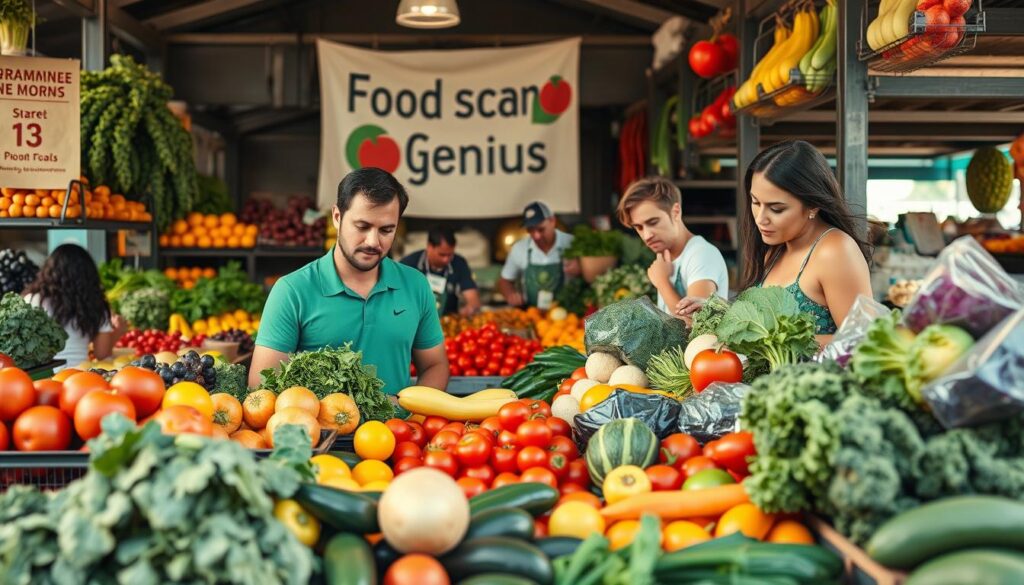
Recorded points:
(385, 555)
(977, 567)
(339, 509)
(350, 459)
(498, 554)
(558, 546)
(349, 561)
(956, 523)
(535, 498)
(510, 522)
(497, 579)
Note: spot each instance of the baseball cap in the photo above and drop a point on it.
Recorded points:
(535, 213)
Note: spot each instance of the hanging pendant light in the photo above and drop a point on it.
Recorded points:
(428, 13)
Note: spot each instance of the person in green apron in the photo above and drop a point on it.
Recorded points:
(448, 273)
(534, 269)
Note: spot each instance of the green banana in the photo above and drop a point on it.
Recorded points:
(827, 51)
(805, 61)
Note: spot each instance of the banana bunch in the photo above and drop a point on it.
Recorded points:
(819, 64)
(747, 93)
(775, 68)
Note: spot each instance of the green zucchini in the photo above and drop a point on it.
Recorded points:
(497, 579)
(511, 522)
(558, 546)
(339, 509)
(385, 555)
(797, 561)
(498, 554)
(349, 561)
(956, 523)
(535, 498)
(975, 566)
(350, 459)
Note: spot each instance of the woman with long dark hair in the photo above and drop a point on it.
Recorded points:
(68, 289)
(801, 235)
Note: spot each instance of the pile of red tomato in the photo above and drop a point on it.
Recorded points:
(488, 352)
(523, 443)
(152, 341)
(681, 458)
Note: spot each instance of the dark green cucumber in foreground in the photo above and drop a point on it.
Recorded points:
(974, 567)
(498, 554)
(510, 522)
(349, 561)
(535, 498)
(558, 546)
(343, 510)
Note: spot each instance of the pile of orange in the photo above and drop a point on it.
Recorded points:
(186, 277)
(210, 231)
(47, 204)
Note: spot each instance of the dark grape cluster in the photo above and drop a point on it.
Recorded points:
(245, 341)
(189, 368)
(16, 271)
(108, 375)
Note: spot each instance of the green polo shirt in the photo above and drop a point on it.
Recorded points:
(312, 308)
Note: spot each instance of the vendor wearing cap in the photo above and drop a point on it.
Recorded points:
(356, 294)
(448, 273)
(534, 269)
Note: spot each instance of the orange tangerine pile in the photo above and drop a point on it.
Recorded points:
(210, 231)
(47, 204)
(186, 277)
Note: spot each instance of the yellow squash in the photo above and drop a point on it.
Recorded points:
(434, 402)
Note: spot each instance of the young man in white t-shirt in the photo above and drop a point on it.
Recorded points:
(687, 265)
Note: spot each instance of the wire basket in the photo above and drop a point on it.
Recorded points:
(924, 45)
(51, 470)
(705, 94)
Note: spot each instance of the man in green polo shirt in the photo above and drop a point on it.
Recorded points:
(356, 293)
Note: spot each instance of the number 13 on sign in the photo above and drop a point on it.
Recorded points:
(29, 135)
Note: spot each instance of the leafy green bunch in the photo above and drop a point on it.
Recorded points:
(590, 242)
(767, 324)
(28, 335)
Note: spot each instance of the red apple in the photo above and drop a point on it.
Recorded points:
(555, 96)
(957, 8)
(381, 153)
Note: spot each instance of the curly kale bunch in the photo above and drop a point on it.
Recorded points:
(147, 308)
(28, 335)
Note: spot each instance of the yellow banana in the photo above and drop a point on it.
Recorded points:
(747, 93)
(801, 42)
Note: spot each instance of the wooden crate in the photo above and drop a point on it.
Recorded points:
(859, 568)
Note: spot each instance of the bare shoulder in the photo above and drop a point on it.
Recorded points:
(838, 246)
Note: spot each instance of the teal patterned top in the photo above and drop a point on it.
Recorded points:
(824, 324)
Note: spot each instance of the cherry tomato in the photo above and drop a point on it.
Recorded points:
(456, 427)
(465, 362)
(472, 450)
(697, 464)
(433, 425)
(579, 374)
(445, 440)
(664, 478)
(559, 428)
(504, 459)
(535, 433)
(491, 440)
(513, 414)
(578, 473)
(565, 446)
(506, 371)
(482, 472)
(406, 463)
(539, 475)
(506, 438)
(531, 457)
(472, 372)
(441, 459)
(565, 488)
(492, 424)
(504, 479)
(566, 385)
(559, 465)
(471, 486)
(469, 347)
(407, 449)
(400, 429)
(417, 434)
(677, 448)
(732, 451)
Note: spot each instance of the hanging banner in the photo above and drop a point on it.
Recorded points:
(470, 133)
(39, 122)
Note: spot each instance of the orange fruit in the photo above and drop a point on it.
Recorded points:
(180, 227)
(219, 242)
(102, 191)
(18, 199)
(47, 201)
(745, 518)
(175, 241)
(15, 210)
(681, 534)
(790, 532)
(28, 210)
(164, 240)
(204, 242)
(238, 230)
(247, 241)
(209, 273)
(234, 242)
(5, 202)
(252, 230)
(210, 221)
(228, 219)
(32, 200)
(171, 272)
(42, 212)
(55, 210)
(195, 219)
(4, 213)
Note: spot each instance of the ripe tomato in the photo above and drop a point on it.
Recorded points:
(41, 428)
(473, 450)
(513, 414)
(677, 448)
(540, 528)
(695, 465)
(5, 439)
(433, 425)
(559, 465)
(508, 439)
(48, 392)
(94, 406)
(504, 459)
(664, 478)
(531, 457)
(534, 433)
(184, 394)
(538, 407)
(578, 473)
(407, 449)
(373, 440)
(6, 361)
(406, 463)
(471, 486)
(565, 488)
(731, 452)
(78, 385)
(504, 479)
(492, 424)
(566, 385)
(441, 459)
(143, 387)
(400, 429)
(445, 440)
(539, 475)
(715, 366)
(471, 372)
(417, 434)
(416, 569)
(456, 427)
(579, 374)
(565, 446)
(483, 472)
(181, 419)
(559, 428)
(17, 394)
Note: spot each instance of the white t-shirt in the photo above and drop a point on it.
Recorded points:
(526, 251)
(699, 261)
(76, 349)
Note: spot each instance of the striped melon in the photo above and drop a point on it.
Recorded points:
(621, 442)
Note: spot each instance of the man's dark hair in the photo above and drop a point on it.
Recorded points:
(439, 233)
(377, 185)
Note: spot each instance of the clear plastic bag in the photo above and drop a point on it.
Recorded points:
(714, 412)
(987, 384)
(658, 412)
(853, 330)
(967, 288)
(633, 330)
